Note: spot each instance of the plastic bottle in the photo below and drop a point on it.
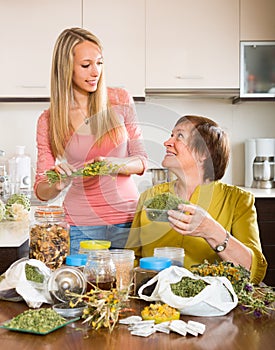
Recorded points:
(20, 170)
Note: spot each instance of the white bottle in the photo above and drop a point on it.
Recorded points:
(20, 169)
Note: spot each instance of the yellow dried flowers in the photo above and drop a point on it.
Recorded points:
(90, 169)
(160, 313)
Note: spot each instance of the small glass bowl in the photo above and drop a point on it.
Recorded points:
(156, 214)
(64, 310)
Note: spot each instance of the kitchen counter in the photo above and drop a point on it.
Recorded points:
(233, 331)
(260, 192)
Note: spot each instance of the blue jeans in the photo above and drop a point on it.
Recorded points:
(117, 234)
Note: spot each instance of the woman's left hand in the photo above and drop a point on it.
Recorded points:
(191, 220)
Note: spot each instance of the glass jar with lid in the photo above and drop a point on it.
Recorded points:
(99, 270)
(49, 236)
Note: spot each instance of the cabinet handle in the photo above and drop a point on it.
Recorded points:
(183, 77)
(33, 86)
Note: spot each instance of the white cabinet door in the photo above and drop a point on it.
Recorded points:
(120, 25)
(192, 44)
(28, 31)
(257, 20)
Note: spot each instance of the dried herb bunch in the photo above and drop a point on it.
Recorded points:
(258, 300)
(90, 169)
(103, 307)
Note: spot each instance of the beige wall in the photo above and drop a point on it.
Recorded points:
(157, 117)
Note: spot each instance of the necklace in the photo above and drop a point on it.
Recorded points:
(85, 118)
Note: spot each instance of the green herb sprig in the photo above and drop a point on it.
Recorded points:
(90, 169)
(258, 300)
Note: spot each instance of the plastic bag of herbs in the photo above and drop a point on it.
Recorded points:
(156, 207)
(191, 294)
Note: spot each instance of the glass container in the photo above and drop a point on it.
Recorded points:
(174, 253)
(99, 270)
(50, 236)
(123, 260)
(148, 268)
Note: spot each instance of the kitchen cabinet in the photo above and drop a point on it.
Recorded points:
(29, 30)
(266, 219)
(257, 20)
(120, 25)
(192, 44)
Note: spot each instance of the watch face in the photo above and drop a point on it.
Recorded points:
(220, 248)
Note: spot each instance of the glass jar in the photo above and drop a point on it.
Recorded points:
(147, 269)
(50, 236)
(176, 254)
(123, 260)
(99, 270)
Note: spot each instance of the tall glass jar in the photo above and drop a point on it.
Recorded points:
(123, 260)
(99, 270)
(50, 236)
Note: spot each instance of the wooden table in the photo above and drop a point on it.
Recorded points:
(235, 331)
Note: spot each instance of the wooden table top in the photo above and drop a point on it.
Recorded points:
(235, 331)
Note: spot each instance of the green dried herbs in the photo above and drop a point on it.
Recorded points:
(188, 287)
(164, 201)
(90, 169)
(33, 274)
(36, 320)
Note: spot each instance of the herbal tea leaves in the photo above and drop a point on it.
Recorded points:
(36, 321)
(188, 287)
(164, 201)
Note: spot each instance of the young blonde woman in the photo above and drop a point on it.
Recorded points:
(87, 122)
(220, 223)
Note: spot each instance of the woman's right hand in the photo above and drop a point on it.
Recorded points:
(64, 169)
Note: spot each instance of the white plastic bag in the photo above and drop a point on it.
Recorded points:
(34, 294)
(216, 299)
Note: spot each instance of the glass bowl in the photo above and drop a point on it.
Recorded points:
(156, 214)
(64, 310)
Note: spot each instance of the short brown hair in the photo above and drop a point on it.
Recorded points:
(209, 140)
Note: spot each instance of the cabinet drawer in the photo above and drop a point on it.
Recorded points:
(269, 253)
(269, 279)
(265, 209)
(267, 232)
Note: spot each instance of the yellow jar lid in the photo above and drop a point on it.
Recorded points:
(95, 244)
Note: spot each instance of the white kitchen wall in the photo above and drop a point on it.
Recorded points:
(157, 117)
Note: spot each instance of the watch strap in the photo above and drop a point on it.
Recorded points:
(221, 247)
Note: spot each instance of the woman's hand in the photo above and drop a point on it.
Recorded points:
(191, 220)
(64, 169)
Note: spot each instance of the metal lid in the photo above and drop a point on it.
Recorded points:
(154, 263)
(63, 279)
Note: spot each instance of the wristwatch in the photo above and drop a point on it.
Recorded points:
(221, 247)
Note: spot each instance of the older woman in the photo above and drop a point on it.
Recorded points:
(220, 223)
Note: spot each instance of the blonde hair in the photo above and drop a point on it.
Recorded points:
(106, 123)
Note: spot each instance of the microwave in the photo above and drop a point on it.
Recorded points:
(257, 69)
